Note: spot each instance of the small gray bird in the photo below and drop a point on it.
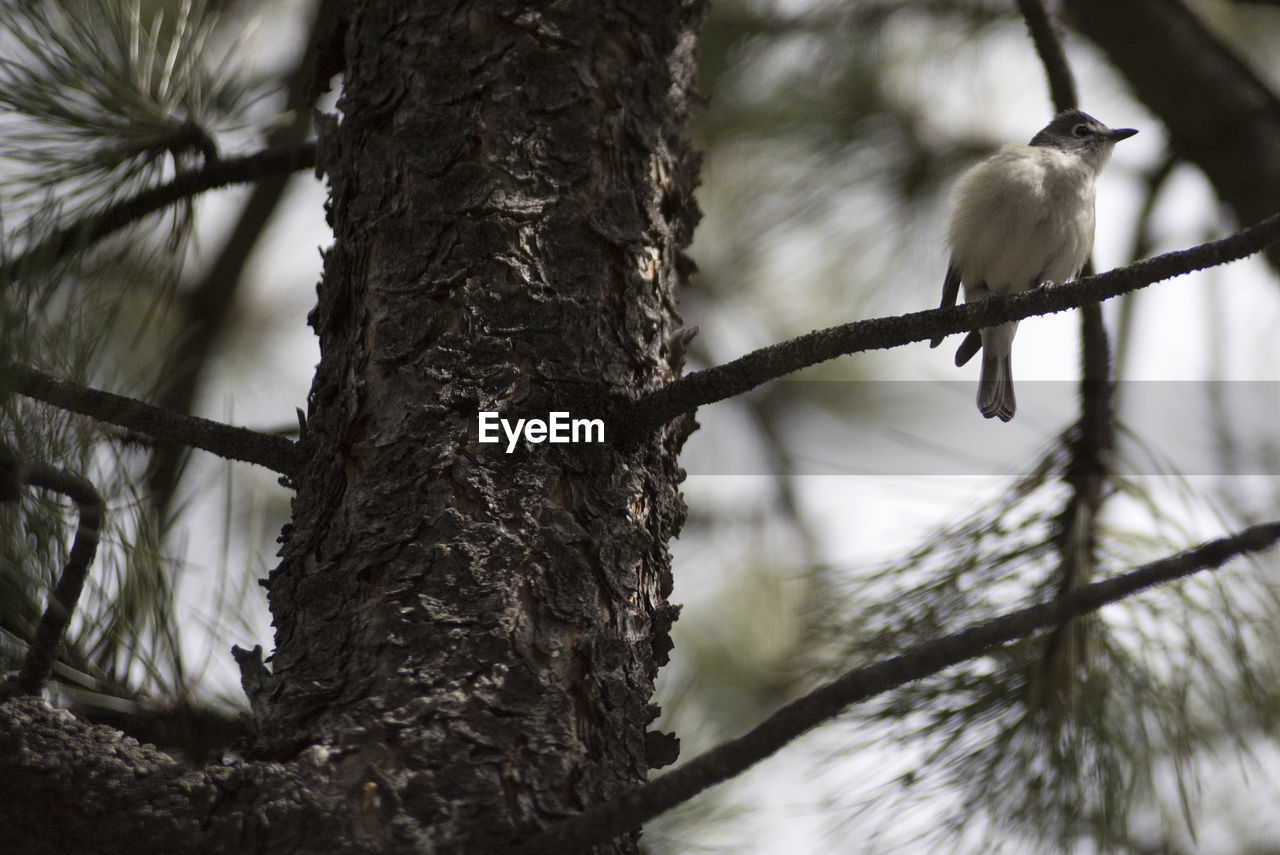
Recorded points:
(1022, 219)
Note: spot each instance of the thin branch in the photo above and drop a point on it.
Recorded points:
(630, 811)
(43, 650)
(1218, 111)
(1076, 526)
(1062, 85)
(1095, 375)
(219, 173)
(234, 443)
(636, 417)
(205, 309)
(1095, 385)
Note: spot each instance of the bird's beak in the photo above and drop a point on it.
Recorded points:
(1121, 134)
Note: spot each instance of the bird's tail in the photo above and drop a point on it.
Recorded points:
(995, 388)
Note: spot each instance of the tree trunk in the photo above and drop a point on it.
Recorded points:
(466, 639)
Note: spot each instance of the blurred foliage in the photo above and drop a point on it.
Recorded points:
(1061, 736)
(101, 100)
(831, 133)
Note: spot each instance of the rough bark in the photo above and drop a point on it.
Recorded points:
(466, 640)
(476, 633)
(70, 787)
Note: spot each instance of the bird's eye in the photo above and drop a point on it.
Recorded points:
(1081, 131)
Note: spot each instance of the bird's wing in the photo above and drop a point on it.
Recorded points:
(950, 292)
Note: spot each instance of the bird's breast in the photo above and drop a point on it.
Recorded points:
(1022, 217)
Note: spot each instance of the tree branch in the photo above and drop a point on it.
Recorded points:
(1093, 433)
(234, 443)
(733, 757)
(641, 415)
(204, 310)
(1219, 113)
(43, 650)
(1044, 35)
(94, 227)
(1075, 532)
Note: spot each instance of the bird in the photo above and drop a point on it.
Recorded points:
(1021, 219)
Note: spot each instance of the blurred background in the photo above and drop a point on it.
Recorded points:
(836, 516)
